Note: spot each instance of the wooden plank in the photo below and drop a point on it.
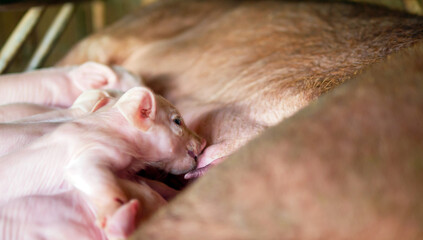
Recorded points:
(56, 28)
(18, 36)
(7, 5)
(98, 15)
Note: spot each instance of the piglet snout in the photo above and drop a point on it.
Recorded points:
(196, 147)
(192, 154)
(203, 145)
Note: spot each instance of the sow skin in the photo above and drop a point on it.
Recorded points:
(235, 68)
(349, 166)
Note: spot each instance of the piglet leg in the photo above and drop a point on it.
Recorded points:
(91, 173)
(123, 222)
(145, 201)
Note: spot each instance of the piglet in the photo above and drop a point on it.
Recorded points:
(141, 129)
(88, 102)
(15, 135)
(59, 87)
(92, 153)
(16, 111)
(67, 216)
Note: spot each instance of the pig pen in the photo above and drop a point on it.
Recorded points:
(347, 166)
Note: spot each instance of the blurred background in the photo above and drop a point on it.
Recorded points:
(85, 18)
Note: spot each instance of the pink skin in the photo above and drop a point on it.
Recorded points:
(231, 130)
(26, 95)
(122, 223)
(140, 129)
(60, 87)
(15, 111)
(15, 135)
(88, 102)
(74, 217)
(26, 218)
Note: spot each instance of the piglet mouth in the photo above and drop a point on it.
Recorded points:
(192, 154)
(196, 173)
(200, 171)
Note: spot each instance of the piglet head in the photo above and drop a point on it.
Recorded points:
(171, 145)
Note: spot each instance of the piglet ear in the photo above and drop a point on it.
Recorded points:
(92, 75)
(91, 100)
(138, 106)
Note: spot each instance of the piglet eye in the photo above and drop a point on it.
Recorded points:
(177, 121)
